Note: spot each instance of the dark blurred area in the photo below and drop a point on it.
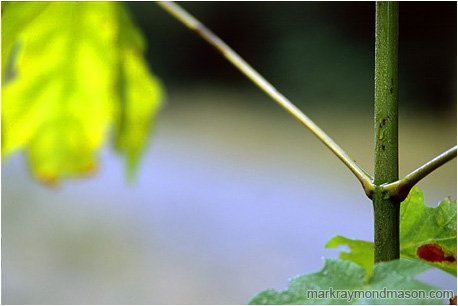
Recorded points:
(311, 51)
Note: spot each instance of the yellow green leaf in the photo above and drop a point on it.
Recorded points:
(71, 72)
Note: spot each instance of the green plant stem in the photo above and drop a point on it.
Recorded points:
(195, 25)
(384, 189)
(386, 208)
(401, 188)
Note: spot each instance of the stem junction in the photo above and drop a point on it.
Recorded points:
(397, 189)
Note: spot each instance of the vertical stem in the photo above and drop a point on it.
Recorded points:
(386, 208)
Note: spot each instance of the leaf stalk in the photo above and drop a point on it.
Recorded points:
(184, 17)
(385, 88)
(401, 188)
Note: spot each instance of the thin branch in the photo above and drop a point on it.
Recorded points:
(195, 25)
(400, 189)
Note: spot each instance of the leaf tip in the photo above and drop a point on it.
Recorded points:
(48, 179)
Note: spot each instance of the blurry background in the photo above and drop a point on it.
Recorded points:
(233, 195)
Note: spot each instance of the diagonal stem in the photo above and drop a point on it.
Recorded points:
(401, 188)
(195, 25)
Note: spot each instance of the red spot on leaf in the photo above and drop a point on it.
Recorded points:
(433, 252)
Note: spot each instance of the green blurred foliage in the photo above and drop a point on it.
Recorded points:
(71, 72)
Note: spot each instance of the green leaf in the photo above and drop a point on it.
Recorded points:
(71, 72)
(427, 234)
(361, 252)
(344, 282)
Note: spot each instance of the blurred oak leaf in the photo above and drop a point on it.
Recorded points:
(71, 72)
